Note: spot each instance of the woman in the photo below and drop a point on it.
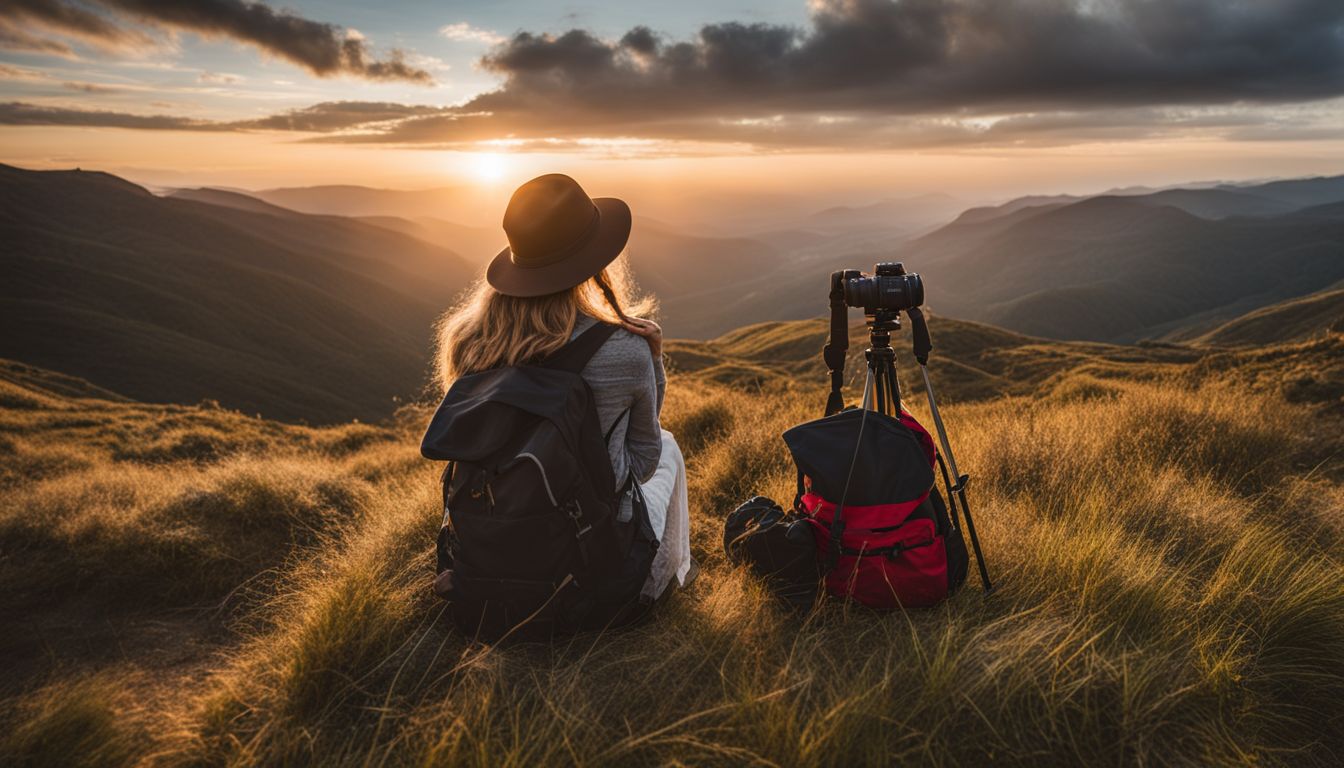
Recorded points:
(558, 276)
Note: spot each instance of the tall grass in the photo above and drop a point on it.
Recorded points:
(1169, 592)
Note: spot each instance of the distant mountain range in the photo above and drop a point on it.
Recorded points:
(1124, 268)
(219, 294)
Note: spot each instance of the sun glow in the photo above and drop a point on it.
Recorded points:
(489, 167)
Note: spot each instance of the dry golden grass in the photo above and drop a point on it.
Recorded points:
(1166, 546)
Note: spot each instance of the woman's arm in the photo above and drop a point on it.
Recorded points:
(644, 435)
(653, 334)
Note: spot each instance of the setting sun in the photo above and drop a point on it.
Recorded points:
(488, 167)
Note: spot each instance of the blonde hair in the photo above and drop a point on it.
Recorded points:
(491, 330)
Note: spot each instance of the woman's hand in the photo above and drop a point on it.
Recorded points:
(651, 331)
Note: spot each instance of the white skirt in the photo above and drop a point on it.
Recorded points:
(670, 516)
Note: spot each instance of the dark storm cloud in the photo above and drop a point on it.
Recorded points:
(324, 49)
(321, 48)
(922, 55)
(864, 63)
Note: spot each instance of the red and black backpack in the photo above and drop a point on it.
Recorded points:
(893, 544)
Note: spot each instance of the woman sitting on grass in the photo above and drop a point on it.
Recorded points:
(561, 275)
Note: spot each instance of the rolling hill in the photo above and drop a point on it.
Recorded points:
(1311, 316)
(971, 361)
(164, 299)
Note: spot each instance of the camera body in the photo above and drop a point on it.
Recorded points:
(890, 287)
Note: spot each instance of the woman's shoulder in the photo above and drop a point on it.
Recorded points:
(623, 351)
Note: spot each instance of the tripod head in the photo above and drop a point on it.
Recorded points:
(882, 297)
(881, 324)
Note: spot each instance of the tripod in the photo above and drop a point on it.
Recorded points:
(882, 394)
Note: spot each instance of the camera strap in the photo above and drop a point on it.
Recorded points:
(919, 333)
(837, 348)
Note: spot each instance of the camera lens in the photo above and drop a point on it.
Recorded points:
(914, 291)
(884, 292)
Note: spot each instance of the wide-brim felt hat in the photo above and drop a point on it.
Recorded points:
(558, 237)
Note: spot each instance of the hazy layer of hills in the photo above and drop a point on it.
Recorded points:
(233, 296)
(1063, 266)
(1113, 268)
(1124, 268)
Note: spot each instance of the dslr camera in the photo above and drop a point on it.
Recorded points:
(890, 287)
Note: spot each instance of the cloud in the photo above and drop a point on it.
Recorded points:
(19, 113)
(56, 16)
(9, 72)
(85, 87)
(870, 63)
(218, 78)
(464, 32)
(332, 116)
(424, 125)
(326, 117)
(24, 74)
(13, 37)
(323, 49)
(875, 74)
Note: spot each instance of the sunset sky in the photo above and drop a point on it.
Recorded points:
(844, 99)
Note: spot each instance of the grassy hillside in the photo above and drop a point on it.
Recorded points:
(193, 586)
(173, 300)
(972, 361)
(1311, 316)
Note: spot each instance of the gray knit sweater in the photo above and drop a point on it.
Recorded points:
(624, 376)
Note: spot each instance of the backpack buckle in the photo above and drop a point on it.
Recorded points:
(575, 513)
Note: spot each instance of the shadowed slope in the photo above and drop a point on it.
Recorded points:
(297, 317)
(1296, 320)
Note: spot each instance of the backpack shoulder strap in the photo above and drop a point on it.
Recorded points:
(575, 355)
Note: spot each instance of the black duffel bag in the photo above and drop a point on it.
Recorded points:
(778, 546)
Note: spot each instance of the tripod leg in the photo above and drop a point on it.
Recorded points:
(954, 510)
(880, 388)
(895, 385)
(868, 390)
(960, 487)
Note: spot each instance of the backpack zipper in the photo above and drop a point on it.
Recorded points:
(545, 481)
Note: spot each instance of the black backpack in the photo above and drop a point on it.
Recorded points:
(531, 546)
